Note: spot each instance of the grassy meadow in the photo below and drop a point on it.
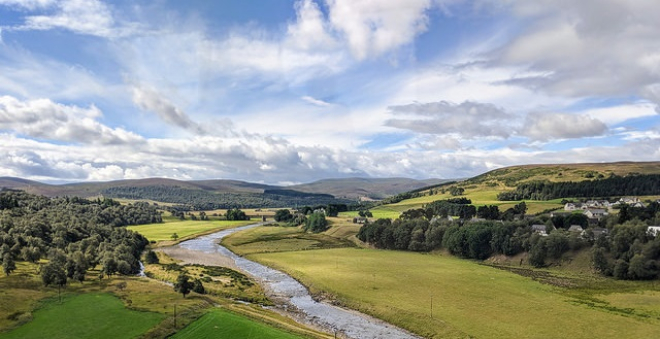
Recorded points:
(441, 296)
(220, 323)
(185, 229)
(79, 316)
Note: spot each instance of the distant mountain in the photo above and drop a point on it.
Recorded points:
(173, 191)
(374, 188)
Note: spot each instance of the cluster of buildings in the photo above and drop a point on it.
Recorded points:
(595, 210)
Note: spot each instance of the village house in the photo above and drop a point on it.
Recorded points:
(597, 204)
(595, 213)
(540, 229)
(653, 230)
(598, 231)
(576, 229)
(573, 206)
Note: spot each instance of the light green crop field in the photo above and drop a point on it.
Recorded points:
(93, 315)
(441, 296)
(186, 228)
(220, 324)
(378, 212)
(479, 196)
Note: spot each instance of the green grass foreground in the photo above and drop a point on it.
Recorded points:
(94, 315)
(220, 323)
(186, 228)
(440, 296)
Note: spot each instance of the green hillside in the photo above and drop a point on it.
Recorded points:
(483, 189)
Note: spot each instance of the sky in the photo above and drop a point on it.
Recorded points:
(285, 92)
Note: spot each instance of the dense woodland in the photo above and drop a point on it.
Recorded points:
(626, 251)
(630, 185)
(73, 234)
(194, 199)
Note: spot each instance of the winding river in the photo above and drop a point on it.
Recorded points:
(282, 287)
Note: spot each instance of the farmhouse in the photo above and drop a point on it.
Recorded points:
(598, 231)
(653, 230)
(574, 206)
(540, 229)
(595, 213)
(576, 229)
(597, 204)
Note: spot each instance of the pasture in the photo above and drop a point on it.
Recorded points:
(92, 315)
(184, 229)
(219, 323)
(441, 296)
(279, 239)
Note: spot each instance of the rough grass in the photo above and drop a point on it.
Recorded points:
(470, 300)
(97, 315)
(219, 323)
(184, 229)
(279, 239)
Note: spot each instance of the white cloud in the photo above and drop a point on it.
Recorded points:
(149, 100)
(373, 27)
(618, 114)
(27, 4)
(316, 102)
(468, 119)
(588, 48)
(91, 17)
(310, 30)
(45, 119)
(549, 126)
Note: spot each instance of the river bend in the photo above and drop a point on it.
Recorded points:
(281, 286)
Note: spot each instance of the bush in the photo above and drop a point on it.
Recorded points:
(316, 223)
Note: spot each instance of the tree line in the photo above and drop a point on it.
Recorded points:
(73, 234)
(197, 199)
(632, 185)
(625, 251)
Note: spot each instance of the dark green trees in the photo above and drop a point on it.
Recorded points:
(236, 214)
(151, 257)
(316, 223)
(183, 284)
(283, 215)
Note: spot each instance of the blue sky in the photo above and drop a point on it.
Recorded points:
(283, 92)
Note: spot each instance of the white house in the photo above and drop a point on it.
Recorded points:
(653, 230)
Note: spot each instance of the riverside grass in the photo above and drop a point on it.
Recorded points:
(93, 315)
(469, 299)
(219, 323)
(185, 228)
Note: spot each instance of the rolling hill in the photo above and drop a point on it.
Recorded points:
(249, 194)
(484, 189)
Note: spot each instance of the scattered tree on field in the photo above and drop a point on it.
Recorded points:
(183, 284)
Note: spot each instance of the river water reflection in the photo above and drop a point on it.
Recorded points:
(281, 286)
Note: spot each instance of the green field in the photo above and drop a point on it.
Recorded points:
(470, 300)
(186, 228)
(281, 239)
(220, 323)
(94, 315)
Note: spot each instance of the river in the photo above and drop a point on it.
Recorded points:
(289, 292)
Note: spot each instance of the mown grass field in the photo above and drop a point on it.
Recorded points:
(93, 315)
(219, 323)
(184, 229)
(472, 300)
(469, 299)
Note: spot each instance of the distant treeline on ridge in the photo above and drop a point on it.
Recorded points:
(207, 200)
(631, 185)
